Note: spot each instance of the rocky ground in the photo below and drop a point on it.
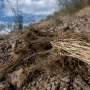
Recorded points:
(51, 55)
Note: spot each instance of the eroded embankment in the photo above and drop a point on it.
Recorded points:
(40, 63)
(52, 55)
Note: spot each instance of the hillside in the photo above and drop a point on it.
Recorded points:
(53, 54)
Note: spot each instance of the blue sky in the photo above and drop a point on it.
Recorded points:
(32, 10)
(30, 7)
(1, 8)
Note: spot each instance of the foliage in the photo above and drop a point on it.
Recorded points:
(72, 6)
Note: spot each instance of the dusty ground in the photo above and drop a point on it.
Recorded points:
(51, 55)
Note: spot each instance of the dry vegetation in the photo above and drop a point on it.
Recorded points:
(51, 55)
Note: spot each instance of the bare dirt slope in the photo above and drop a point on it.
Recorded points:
(51, 55)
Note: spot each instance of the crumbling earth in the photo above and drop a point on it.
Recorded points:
(50, 55)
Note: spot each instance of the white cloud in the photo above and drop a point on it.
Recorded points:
(36, 7)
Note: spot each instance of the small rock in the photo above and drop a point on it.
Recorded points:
(4, 86)
(17, 78)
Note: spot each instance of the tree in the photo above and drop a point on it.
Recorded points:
(18, 17)
(72, 6)
(2, 27)
(81, 3)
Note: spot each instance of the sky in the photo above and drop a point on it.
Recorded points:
(30, 7)
(32, 10)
